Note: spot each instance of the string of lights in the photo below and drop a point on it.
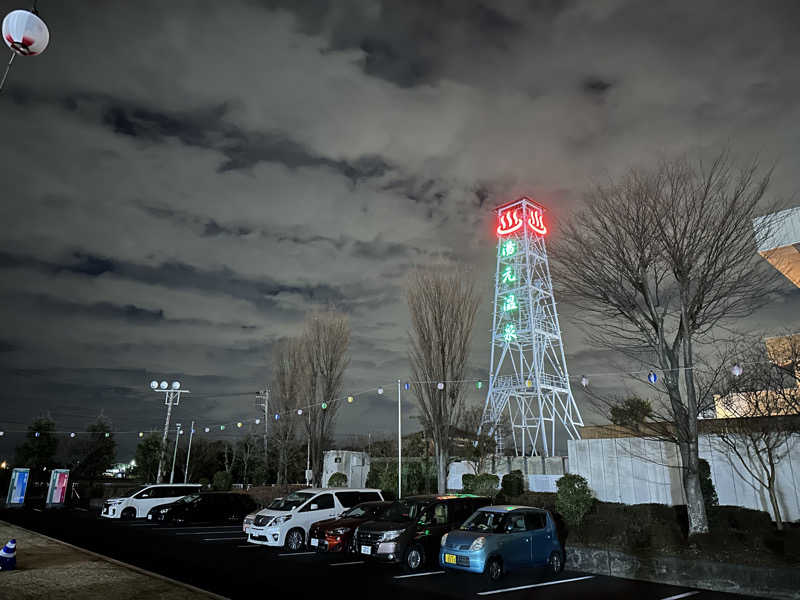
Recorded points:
(652, 377)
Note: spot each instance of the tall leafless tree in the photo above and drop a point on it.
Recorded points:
(761, 421)
(655, 263)
(290, 376)
(442, 303)
(326, 339)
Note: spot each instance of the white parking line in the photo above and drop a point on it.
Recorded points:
(296, 553)
(419, 574)
(534, 585)
(221, 539)
(206, 532)
(355, 562)
(685, 595)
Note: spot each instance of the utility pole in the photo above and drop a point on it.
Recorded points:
(188, 454)
(263, 402)
(172, 397)
(178, 432)
(399, 445)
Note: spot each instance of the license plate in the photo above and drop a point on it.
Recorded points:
(450, 558)
(314, 542)
(366, 549)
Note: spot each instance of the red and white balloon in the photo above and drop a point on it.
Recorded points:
(25, 33)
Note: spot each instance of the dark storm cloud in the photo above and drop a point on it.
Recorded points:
(207, 128)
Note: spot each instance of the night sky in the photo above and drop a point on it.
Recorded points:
(182, 181)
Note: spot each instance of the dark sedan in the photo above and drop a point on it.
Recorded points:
(336, 535)
(207, 507)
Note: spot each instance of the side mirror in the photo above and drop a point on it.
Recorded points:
(313, 507)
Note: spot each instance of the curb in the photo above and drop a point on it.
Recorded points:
(114, 561)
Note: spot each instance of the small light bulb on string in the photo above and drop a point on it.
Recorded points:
(207, 429)
(736, 370)
(299, 411)
(584, 381)
(222, 427)
(478, 385)
(239, 424)
(407, 386)
(652, 377)
(528, 383)
(440, 386)
(2, 433)
(108, 434)
(141, 434)
(277, 416)
(349, 399)
(258, 421)
(380, 391)
(324, 406)
(37, 434)
(72, 435)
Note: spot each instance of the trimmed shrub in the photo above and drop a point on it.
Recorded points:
(222, 481)
(710, 498)
(574, 498)
(546, 500)
(467, 483)
(485, 484)
(513, 484)
(337, 480)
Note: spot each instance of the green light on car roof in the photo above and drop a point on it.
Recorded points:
(509, 508)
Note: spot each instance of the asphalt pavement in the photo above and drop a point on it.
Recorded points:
(217, 557)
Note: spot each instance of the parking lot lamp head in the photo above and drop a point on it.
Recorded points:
(164, 385)
(154, 385)
(176, 385)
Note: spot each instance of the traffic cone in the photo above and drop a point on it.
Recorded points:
(8, 556)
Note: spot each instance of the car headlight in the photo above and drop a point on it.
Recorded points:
(477, 544)
(164, 511)
(340, 530)
(280, 519)
(389, 536)
(444, 539)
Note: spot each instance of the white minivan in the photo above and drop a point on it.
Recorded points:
(138, 502)
(287, 522)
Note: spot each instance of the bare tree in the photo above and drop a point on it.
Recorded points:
(326, 339)
(290, 379)
(656, 262)
(249, 447)
(761, 421)
(442, 303)
(481, 446)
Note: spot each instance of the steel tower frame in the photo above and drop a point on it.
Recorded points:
(528, 378)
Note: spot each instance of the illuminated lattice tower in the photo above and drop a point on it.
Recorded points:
(528, 381)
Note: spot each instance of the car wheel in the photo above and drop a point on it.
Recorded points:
(294, 540)
(494, 569)
(556, 563)
(415, 558)
(129, 514)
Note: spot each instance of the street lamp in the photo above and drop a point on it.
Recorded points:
(178, 432)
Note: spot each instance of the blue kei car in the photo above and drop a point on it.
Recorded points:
(496, 539)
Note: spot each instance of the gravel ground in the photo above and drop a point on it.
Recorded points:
(50, 569)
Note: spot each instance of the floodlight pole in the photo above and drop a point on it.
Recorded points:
(175, 453)
(399, 445)
(172, 396)
(263, 400)
(188, 454)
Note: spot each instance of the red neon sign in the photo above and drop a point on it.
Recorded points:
(510, 221)
(535, 221)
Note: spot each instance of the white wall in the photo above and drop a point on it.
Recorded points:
(353, 464)
(637, 471)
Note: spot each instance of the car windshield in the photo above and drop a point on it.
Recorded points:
(485, 520)
(357, 511)
(291, 501)
(403, 510)
(134, 491)
(188, 499)
(274, 503)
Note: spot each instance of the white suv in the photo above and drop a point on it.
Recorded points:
(141, 500)
(287, 522)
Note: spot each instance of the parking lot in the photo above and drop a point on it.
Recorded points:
(217, 557)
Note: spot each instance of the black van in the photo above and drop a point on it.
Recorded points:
(411, 529)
